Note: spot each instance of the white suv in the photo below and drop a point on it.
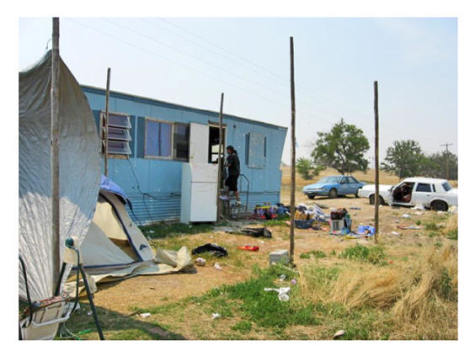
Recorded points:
(433, 193)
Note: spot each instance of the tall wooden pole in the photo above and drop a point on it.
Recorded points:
(220, 160)
(292, 153)
(376, 162)
(106, 126)
(447, 159)
(55, 154)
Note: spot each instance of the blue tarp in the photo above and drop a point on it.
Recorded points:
(109, 185)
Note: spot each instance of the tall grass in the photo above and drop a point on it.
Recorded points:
(421, 297)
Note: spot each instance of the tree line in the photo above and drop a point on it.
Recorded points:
(344, 146)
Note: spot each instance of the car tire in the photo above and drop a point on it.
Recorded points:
(439, 205)
(333, 193)
(371, 200)
(311, 196)
(356, 195)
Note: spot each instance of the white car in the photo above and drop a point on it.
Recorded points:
(433, 193)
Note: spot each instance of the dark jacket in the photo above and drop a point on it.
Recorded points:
(233, 164)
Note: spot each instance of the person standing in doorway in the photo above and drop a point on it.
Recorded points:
(234, 169)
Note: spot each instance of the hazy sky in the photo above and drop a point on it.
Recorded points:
(191, 61)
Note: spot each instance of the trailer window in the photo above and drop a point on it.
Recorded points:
(158, 139)
(118, 136)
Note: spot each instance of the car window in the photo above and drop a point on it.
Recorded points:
(446, 186)
(423, 187)
(329, 180)
(344, 180)
(352, 180)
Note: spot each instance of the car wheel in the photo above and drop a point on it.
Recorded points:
(439, 205)
(311, 196)
(356, 195)
(371, 200)
(333, 193)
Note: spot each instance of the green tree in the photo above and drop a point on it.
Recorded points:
(342, 148)
(405, 158)
(435, 165)
(307, 169)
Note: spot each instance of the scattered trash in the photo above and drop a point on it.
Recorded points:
(283, 293)
(279, 256)
(215, 316)
(395, 233)
(249, 248)
(355, 208)
(405, 227)
(145, 315)
(293, 281)
(405, 216)
(200, 261)
(366, 230)
(338, 334)
(214, 249)
(89, 313)
(261, 242)
(453, 209)
(217, 266)
(282, 277)
(419, 213)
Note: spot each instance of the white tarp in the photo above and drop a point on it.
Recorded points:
(79, 170)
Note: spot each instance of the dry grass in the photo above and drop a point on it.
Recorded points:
(421, 297)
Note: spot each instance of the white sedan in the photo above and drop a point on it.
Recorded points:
(433, 193)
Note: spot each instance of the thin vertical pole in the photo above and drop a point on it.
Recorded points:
(376, 162)
(220, 160)
(55, 153)
(292, 153)
(447, 159)
(106, 126)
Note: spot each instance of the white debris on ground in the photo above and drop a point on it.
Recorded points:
(283, 293)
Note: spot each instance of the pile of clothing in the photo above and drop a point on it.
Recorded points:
(309, 217)
(268, 211)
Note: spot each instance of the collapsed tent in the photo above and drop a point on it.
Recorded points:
(115, 248)
(79, 163)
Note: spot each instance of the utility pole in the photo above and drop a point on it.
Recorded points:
(292, 154)
(220, 160)
(447, 159)
(376, 162)
(105, 126)
(55, 127)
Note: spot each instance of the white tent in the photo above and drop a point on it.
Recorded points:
(116, 248)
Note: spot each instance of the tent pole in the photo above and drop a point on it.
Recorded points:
(292, 154)
(55, 152)
(220, 160)
(106, 126)
(91, 301)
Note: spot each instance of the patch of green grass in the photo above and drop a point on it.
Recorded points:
(431, 226)
(164, 229)
(373, 254)
(243, 327)
(278, 221)
(453, 234)
(264, 308)
(316, 254)
(418, 222)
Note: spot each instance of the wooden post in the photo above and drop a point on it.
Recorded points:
(106, 126)
(447, 159)
(54, 155)
(220, 160)
(376, 162)
(292, 153)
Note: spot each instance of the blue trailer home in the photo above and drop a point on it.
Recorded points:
(150, 141)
